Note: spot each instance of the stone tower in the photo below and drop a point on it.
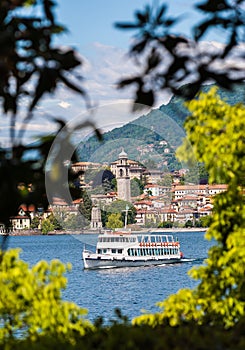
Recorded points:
(122, 176)
(96, 218)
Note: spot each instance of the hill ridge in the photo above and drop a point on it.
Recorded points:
(153, 136)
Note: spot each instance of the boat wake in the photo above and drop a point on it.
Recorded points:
(198, 260)
(187, 260)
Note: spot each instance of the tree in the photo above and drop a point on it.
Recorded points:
(73, 222)
(104, 178)
(219, 297)
(150, 164)
(56, 219)
(166, 224)
(205, 221)
(167, 180)
(35, 222)
(114, 221)
(47, 226)
(137, 187)
(31, 67)
(119, 207)
(31, 303)
(85, 208)
(189, 223)
(197, 174)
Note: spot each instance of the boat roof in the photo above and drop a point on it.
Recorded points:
(126, 234)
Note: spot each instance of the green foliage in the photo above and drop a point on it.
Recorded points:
(114, 221)
(73, 222)
(137, 187)
(189, 223)
(54, 220)
(103, 178)
(119, 207)
(29, 40)
(35, 222)
(197, 174)
(167, 180)
(85, 208)
(205, 221)
(30, 299)
(31, 67)
(150, 164)
(165, 224)
(31, 303)
(47, 226)
(155, 42)
(215, 136)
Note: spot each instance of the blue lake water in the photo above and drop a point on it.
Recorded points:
(101, 291)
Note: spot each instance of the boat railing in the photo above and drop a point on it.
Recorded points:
(155, 239)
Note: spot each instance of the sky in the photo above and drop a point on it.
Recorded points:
(103, 49)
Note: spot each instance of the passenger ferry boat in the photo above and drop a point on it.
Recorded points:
(121, 249)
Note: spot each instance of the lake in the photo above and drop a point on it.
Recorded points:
(101, 291)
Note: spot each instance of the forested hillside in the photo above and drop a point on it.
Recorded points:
(154, 136)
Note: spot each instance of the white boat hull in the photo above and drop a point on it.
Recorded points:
(95, 262)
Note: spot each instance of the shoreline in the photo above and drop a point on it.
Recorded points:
(89, 231)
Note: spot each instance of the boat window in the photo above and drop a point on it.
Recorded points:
(119, 251)
(104, 251)
(99, 251)
(123, 239)
(113, 251)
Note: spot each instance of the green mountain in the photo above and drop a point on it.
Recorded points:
(151, 139)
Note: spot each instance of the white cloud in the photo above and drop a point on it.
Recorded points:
(106, 66)
(64, 104)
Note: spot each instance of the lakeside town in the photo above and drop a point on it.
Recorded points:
(174, 204)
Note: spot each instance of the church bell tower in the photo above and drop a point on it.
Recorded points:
(122, 176)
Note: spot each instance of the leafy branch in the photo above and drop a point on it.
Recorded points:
(169, 61)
